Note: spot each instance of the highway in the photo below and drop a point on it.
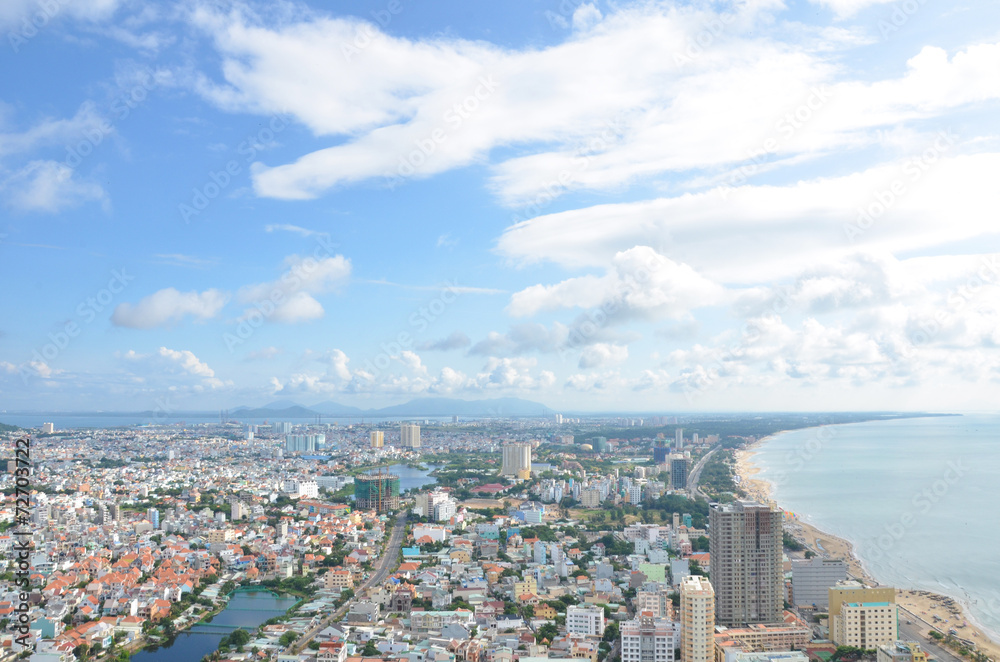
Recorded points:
(386, 564)
(696, 474)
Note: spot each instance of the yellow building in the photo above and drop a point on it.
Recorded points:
(378, 439)
(697, 619)
(862, 617)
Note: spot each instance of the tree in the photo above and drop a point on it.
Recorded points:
(288, 638)
(611, 632)
(370, 650)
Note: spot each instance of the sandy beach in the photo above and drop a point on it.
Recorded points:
(917, 606)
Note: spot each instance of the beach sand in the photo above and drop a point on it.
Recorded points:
(920, 607)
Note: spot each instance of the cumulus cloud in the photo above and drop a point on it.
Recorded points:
(639, 281)
(456, 340)
(49, 186)
(602, 354)
(169, 306)
(290, 298)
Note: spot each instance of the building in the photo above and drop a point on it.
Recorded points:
(656, 599)
(697, 619)
(516, 459)
(409, 435)
(648, 639)
(281, 427)
(590, 498)
(679, 438)
(813, 578)
(745, 557)
(901, 651)
(679, 471)
(635, 494)
(304, 443)
(772, 656)
(585, 620)
(763, 638)
(660, 454)
(48, 428)
(865, 624)
(378, 438)
(298, 488)
(376, 491)
(862, 617)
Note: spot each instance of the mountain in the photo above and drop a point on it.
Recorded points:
(331, 408)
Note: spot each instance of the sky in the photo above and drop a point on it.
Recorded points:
(599, 206)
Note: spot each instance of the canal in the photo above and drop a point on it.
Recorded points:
(247, 608)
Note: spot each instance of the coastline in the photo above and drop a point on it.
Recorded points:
(920, 606)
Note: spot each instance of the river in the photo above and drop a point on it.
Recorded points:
(246, 609)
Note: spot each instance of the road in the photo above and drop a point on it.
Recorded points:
(917, 633)
(387, 563)
(696, 474)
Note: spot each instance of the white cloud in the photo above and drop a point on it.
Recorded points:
(602, 354)
(290, 299)
(755, 234)
(13, 13)
(174, 367)
(48, 186)
(639, 281)
(848, 8)
(169, 306)
(628, 96)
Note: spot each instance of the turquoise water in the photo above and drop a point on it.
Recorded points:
(918, 498)
(246, 609)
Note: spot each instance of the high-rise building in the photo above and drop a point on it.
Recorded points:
(116, 512)
(745, 558)
(48, 428)
(679, 471)
(648, 639)
(153, 515)
(679, 438)
(697, 619)
(585, 620)
(376, 491)
(281, 427)
(812, 579)
(655, 598)
(409, 435)
(660, 454)
(304, 443)
(516, 458)
(378, 438)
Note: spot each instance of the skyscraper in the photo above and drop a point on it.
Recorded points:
(745, 552)
(378, 439)
(679, 438)
(697, 619)
(409, 435)
(516, 458)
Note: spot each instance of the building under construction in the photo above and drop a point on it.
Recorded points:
(376, 491)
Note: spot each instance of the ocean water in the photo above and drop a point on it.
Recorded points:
(919, 499)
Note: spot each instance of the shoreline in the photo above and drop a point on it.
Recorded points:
(919, 605)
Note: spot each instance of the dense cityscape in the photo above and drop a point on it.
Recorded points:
(611, 540)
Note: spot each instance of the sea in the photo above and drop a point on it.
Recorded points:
(919, 498)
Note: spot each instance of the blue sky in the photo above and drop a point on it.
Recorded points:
(648, 206)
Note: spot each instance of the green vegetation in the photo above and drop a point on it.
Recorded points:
(717, 475)
(791, 543)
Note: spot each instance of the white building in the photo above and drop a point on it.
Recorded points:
(647, 639)
(409, 435)
(585, 620)
(516, 459)
(813, 578)
(300, 488)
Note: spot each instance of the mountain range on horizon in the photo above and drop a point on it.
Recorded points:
(498, 407)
